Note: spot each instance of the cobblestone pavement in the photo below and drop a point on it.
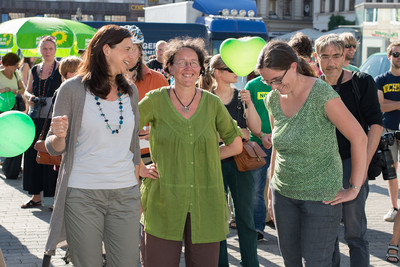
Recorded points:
(23, 232)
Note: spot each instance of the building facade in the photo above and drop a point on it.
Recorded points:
(283, 16)
(379, 24)
(101, 10)
(324, 9)
(280, 16)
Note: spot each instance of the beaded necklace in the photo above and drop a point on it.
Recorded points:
(121, 118)
(42, 83)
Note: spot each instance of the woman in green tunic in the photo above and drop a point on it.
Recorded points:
(188, 200)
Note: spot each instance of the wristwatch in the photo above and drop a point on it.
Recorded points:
(355, 187)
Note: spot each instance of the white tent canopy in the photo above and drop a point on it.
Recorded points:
(314, 34)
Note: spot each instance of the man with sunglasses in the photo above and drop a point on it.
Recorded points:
(365, 108)
(389, 98)
(350, 47)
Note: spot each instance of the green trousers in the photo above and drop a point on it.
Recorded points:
(241, 186)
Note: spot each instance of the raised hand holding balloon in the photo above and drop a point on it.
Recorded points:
(240, 55)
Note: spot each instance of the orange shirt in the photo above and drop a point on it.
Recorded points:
(152, 80)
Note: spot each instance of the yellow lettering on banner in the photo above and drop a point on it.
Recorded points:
(391, 88)
(137, 7)
(261, 95)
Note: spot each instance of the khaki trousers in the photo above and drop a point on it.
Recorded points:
(112, 216)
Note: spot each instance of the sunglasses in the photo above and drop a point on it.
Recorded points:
(227, 69)
(395, 54)
(48, 38)
(350, 45)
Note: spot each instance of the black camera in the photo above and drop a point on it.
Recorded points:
(39, 103)
(385, 156)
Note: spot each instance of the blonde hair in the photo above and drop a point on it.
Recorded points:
(389, 49)
(69, 64)
(348, 38)
(207, 79)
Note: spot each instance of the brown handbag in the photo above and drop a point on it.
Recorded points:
(43, 157)
(251, 158)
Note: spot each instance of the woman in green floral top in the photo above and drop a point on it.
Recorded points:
(187, 201)
(306, 170)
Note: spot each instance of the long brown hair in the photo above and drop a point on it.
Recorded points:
(279, 55)
(95, 70)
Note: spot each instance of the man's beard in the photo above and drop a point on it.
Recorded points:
(349, 57)
(395, 66)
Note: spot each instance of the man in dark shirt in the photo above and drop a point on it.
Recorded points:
(157, 63)
(330, 51)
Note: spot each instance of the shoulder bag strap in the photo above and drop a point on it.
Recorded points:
(45, 123)
(16, 78)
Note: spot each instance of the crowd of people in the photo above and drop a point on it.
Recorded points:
(317, 118)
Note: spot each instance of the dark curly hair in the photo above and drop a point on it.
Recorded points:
(175, 45)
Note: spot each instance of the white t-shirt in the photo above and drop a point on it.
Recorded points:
(12, 84)
(103, 160)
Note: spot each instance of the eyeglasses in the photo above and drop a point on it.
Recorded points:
(184, 64)
(227, 69)
(350, 45)
(276, 82)
(395, 54)
(327, 57)
(48, 38)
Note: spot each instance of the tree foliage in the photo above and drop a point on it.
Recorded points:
(336, 20)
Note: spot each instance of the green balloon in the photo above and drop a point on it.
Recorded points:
(241, 55)
(17, 132)
(7, 101)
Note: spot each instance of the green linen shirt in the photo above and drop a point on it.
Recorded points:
(187, 155)
(258, 91)
(308, 164)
